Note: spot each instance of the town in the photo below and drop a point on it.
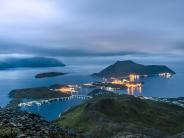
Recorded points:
(130, 84)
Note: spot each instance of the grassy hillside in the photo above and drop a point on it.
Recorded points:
(124, 115)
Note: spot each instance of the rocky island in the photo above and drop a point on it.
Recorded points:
(127, 67)
(33, 62)
(49, 74)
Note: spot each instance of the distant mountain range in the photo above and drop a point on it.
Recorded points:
(29, 62)
(124, 68)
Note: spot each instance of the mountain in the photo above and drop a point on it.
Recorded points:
(124, 116)
(124, 68)
(30, 62)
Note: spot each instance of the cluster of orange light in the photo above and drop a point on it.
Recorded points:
(133, 85)
(130, 84)
(66, 89)
(119, 82)
(133, 77)
(127, 83)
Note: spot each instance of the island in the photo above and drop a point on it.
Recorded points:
(127, 67)
(124, 116)
(49, 74)
(33, 62)
(35, 94)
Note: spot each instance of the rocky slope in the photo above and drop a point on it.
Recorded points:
(19, 124)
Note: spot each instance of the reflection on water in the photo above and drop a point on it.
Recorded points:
(134, 91)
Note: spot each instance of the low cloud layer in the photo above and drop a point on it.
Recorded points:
(92, 27)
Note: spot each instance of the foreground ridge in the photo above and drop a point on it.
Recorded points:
(20, 124)
(124, 115)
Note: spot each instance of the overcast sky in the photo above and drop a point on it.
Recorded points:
(91, 27)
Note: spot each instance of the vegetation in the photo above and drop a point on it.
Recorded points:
(124, 68)
(36, 93)
(8, 132)
(109, 116)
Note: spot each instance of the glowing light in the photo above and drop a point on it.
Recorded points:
(131, 85)
(66, 89)
(133, 77)
(165, 75)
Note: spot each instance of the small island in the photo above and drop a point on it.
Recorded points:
(49, 74)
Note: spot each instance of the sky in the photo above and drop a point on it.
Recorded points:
(91, 27)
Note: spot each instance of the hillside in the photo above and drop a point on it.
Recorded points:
(124, 68)
(30, 62)
(122, 116)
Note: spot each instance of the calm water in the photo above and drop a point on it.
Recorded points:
(79, 70)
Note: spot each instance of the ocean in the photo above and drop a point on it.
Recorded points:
(79, 70)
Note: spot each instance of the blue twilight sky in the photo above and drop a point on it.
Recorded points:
(91, 27)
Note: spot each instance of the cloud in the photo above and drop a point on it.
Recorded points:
(93, 27)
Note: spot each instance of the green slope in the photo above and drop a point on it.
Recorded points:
(109, 116)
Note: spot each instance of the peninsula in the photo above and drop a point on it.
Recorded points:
(30, 94)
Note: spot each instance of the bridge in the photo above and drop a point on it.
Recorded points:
(60, 99)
